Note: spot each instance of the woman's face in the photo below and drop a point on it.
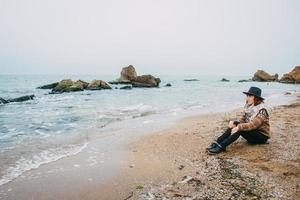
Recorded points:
(250, 100)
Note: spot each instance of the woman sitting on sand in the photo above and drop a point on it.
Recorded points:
(253, 126)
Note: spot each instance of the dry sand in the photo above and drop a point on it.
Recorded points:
(173, 164)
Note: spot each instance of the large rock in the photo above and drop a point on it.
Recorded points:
(48, 86)
(98, 85)
(263, 76)
(145, 81)
(292, 77)
(67, 85)
(128, 73)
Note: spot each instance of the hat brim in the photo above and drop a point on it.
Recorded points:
(253, 95)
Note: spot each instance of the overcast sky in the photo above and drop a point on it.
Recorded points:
(156, 36)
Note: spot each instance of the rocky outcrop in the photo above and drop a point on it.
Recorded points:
(291, 77)
(19, 99)
(98, 85)
(224, 80)
(67, 85)
(263, 76)
(48, 86)
(129, 76)
(145, 81)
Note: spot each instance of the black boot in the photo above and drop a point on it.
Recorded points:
(212, 145)
(217, 149)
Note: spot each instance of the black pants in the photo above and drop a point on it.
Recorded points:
(253, 137)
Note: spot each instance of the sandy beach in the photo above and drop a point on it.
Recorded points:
(173, 164)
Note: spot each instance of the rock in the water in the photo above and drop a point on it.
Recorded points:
(191, 79)
(291, 77)
(48, 86)
(83, 83)
(118, 81)
(127, 87)
(244, 80)
(19, 99)
(224, 80)
(3, 101)
(129, 76)
(22, 98)
(98, 85)
(128, 73)
(67, 85)
(145, 81)
(168, 85)
(261, 75)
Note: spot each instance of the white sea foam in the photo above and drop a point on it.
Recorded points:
(46, 156)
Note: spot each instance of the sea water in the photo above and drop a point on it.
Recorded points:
(54, 126)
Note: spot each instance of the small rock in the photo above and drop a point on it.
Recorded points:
(191, 79)
(181, 167)
(224, 80)
(127, 87)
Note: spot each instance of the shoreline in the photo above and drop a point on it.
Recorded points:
(173, 164)
(139, 164)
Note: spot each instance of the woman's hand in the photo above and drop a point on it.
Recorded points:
(235, 129)
(231, 124)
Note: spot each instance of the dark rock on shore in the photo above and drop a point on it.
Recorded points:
(98, 85)
(48, 86)
(168, 85)
(19, 99)
(291, 77)
(145, 81)
(263, 76)
(224, 80)
(191, 79)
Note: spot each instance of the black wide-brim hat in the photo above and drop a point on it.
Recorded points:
(255, 91)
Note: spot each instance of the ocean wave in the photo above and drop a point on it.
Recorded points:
(22, 165)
